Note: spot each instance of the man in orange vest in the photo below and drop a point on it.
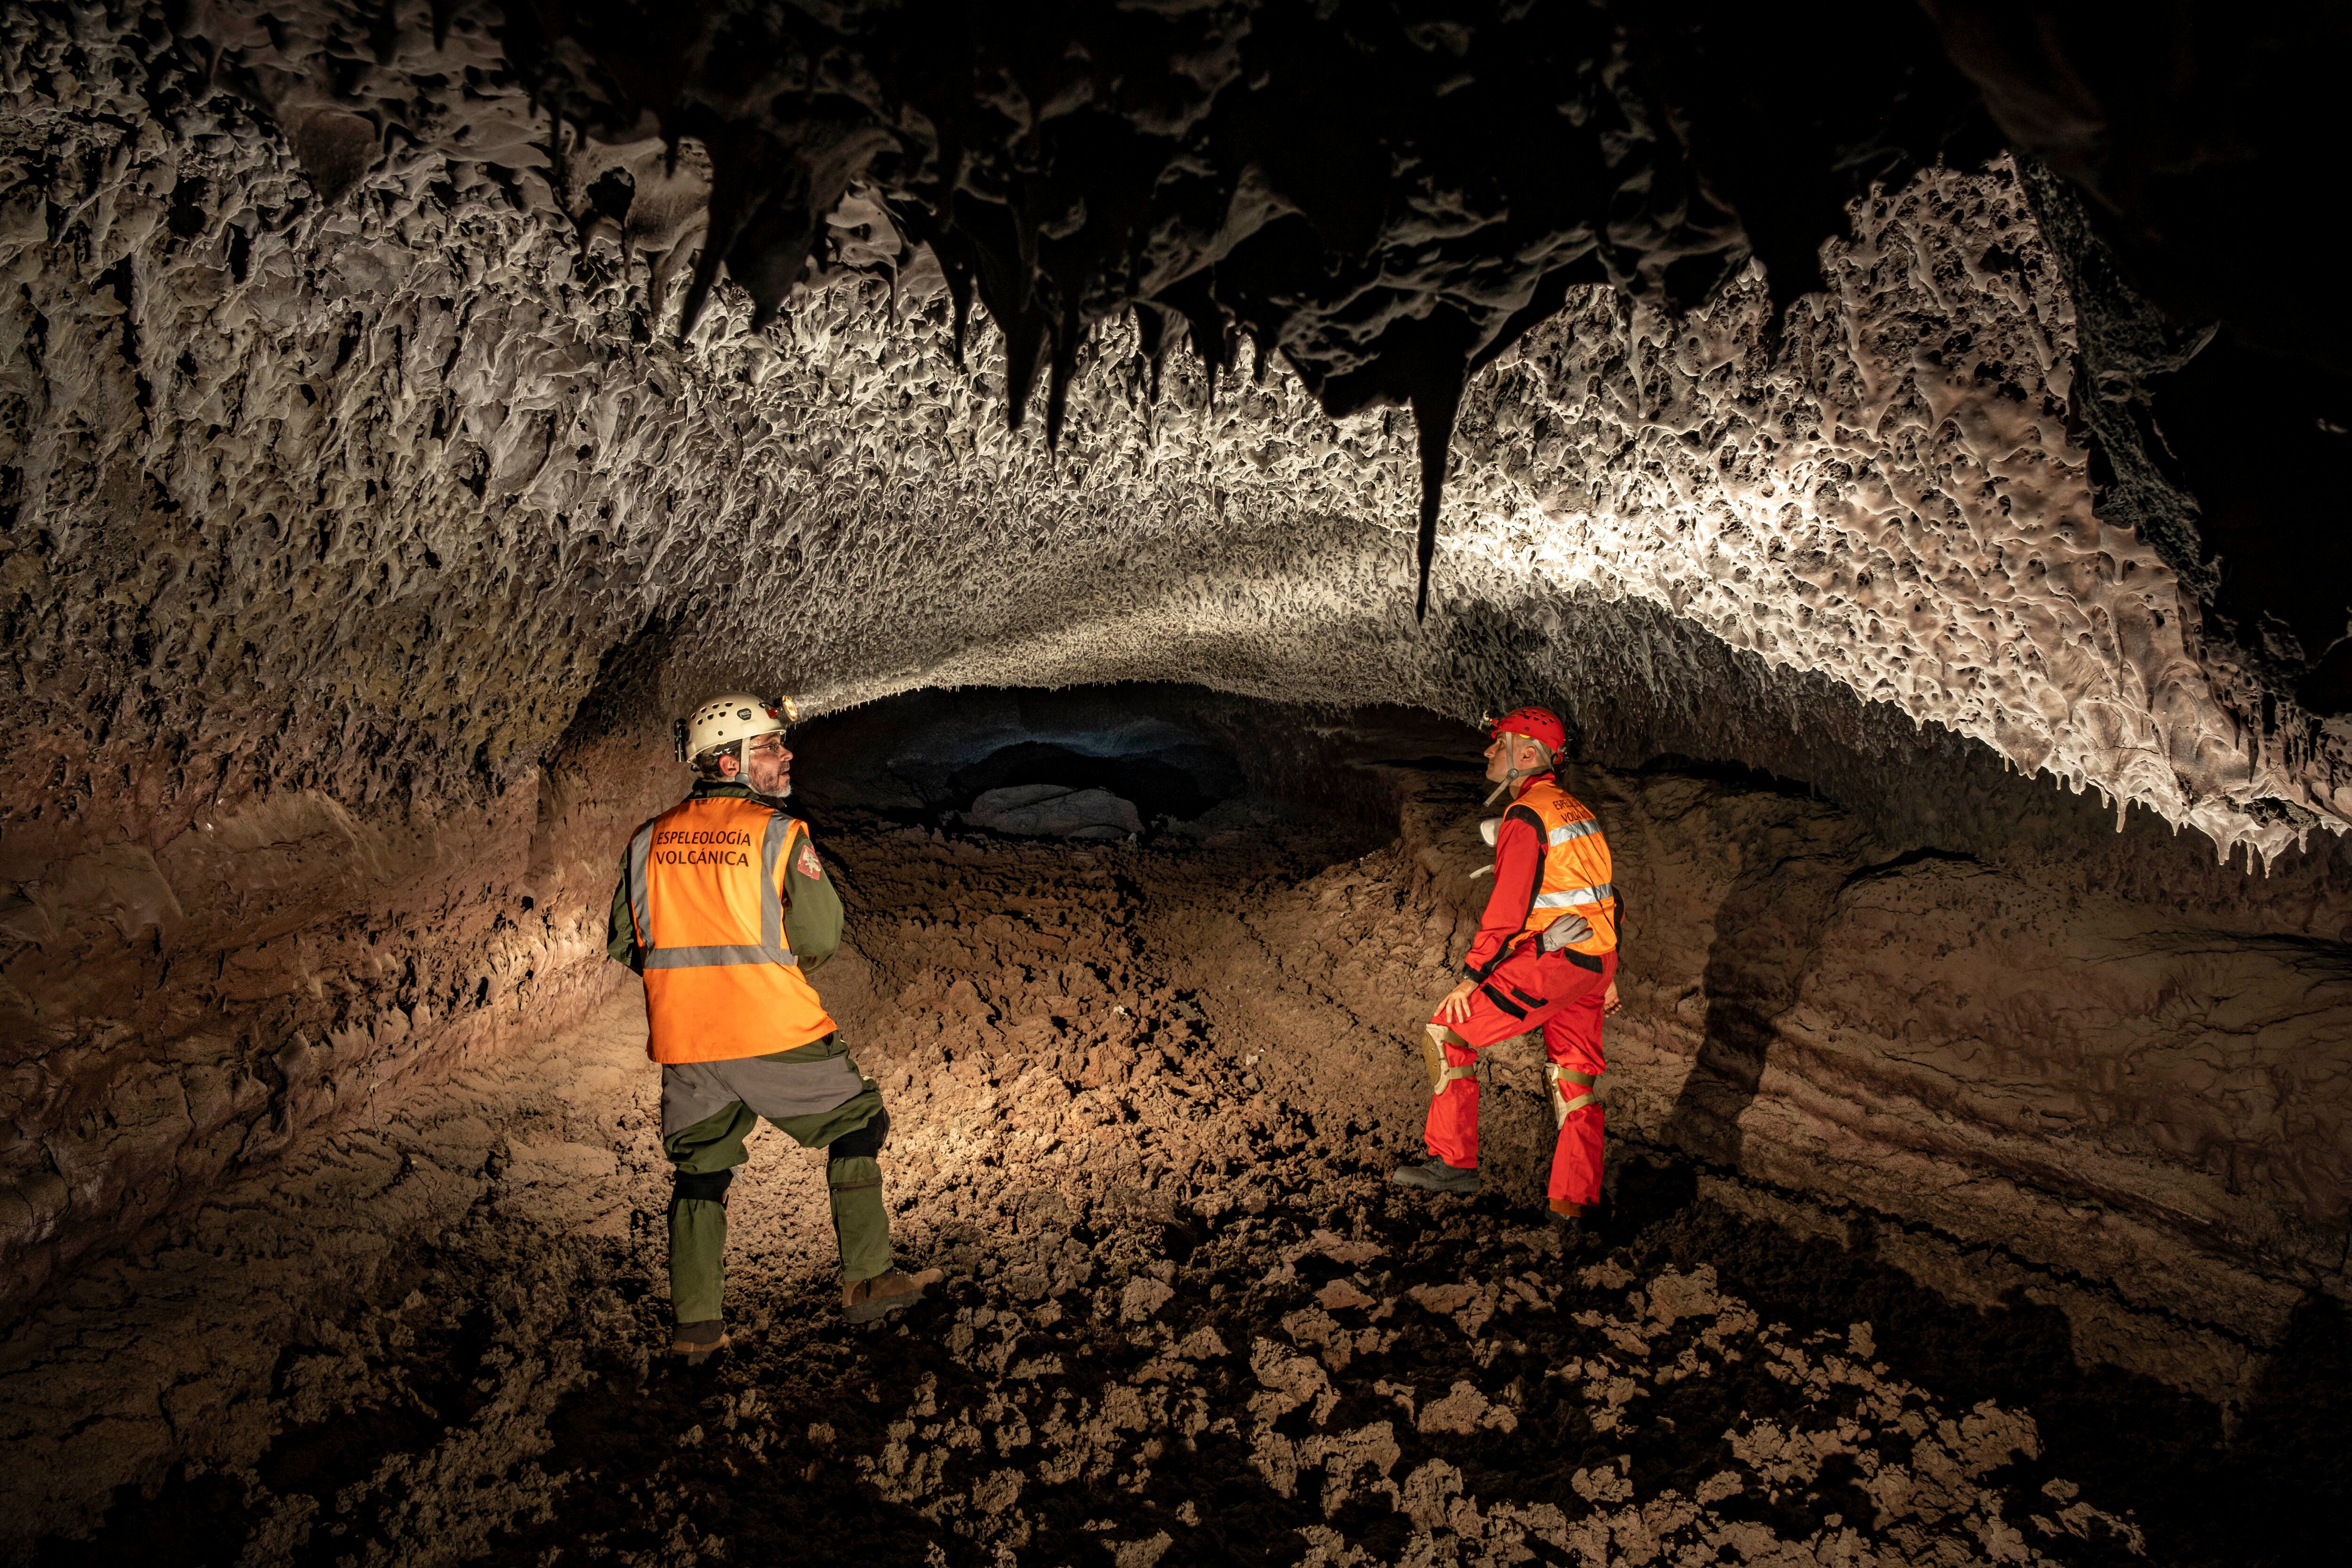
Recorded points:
(723, 909)
(1544, 958)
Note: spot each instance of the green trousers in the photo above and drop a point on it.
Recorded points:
(697, 1226)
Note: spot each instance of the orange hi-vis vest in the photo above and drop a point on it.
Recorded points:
(705, 896)
(1576, 868)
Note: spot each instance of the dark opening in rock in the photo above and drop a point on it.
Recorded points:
(1093, 762)
(1158, 782)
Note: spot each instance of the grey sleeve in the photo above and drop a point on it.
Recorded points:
(813, 914)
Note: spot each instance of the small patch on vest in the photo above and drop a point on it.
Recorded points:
(810, 866)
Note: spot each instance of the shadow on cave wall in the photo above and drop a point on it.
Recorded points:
(1768, 935)
(2292, 1460)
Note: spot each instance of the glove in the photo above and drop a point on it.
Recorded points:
(1562, 932)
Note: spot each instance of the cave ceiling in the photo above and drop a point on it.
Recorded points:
(372, 371)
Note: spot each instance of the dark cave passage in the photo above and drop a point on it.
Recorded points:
(1158, 786)
(932, 756)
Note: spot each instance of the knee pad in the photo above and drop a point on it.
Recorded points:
(707, 1188)
(1433, 1057)
(1571, 1091)
(1442, 1075)
(866, 1144)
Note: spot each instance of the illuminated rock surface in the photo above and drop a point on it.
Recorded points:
(1145, 1124)
(366, 518)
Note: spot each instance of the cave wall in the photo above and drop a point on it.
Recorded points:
(1961, 1022)
(2147, 1091)
(363, 519)
(2014, 1073)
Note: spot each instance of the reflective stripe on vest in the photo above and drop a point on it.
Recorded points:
(1576, 868)
(1568, 898)
(704, 957)
(709, 918)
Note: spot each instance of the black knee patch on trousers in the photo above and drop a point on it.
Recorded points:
(709, 1188)
(866, 1144)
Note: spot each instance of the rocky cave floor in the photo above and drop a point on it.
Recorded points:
(1143, 1112)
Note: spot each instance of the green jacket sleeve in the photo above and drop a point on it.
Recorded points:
(813, 914)
(620, 932)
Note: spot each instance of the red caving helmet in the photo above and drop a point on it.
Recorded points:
(1536, 724)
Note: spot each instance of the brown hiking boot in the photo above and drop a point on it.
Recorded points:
(866, 1300)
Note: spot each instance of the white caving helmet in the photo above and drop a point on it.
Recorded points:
(733, 720)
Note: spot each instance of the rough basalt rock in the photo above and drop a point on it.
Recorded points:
(2007, 1050)
(370, 502)
(1143, 1098)
(1881, 487)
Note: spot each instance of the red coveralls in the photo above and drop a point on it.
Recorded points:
(1524, 989)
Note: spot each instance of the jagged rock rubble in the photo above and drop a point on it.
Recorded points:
(1187, 1319)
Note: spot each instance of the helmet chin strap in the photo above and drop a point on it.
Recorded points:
(1512, 777)
(743, 762)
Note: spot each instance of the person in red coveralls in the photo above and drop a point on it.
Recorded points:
(1544, 958)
